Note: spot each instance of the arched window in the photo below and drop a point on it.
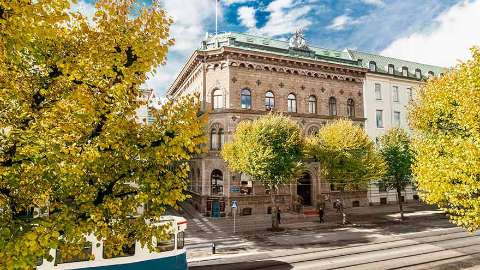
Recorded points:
(312, 131)
(221, 138)
(431, 74)
(246, 99)
(269, 100)
(418, 73)
(214, 139)
(217, 99)
(372, 66)
(391, 69)
(292, 103)
(405, 71)
(332, 106)
(350, 108)
(216, 181)
(312, 104)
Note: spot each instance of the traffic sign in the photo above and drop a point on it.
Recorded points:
(234, 204)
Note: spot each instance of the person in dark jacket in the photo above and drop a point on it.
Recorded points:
(321, 213)
(278, 215)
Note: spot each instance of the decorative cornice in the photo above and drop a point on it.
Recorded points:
(237, 58)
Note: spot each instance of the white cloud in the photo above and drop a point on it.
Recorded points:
(87, 9)
(340, 22)
(247, 16)
(189, 27)
(455, 31)
(285, 17)
(373, 2)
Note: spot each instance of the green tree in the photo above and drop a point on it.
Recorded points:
(269, 150)
(347, 157)
(70, 148)
(447, 146)
(395, 150)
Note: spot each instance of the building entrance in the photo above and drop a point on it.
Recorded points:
(304, 189)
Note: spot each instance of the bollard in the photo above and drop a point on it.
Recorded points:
(213, 247)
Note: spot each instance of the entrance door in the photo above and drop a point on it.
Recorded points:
(215, 208)
(304, 189)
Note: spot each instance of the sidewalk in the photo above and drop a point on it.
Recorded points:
(252, 230)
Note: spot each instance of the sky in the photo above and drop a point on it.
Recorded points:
(437, 32)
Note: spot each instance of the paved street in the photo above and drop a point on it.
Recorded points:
(375, 240)
(448, 248)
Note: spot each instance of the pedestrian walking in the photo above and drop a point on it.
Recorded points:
(321, 213)
(278, 215)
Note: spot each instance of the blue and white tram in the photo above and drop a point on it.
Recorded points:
(172, 254)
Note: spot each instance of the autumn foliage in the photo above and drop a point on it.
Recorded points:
(73, 159)
(446, 121)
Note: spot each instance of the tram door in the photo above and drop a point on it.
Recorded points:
(215, 208)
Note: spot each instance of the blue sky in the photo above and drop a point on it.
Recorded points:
(429, 31)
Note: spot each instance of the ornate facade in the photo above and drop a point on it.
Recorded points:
(240, 78)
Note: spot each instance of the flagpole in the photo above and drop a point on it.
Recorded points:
(216, 17)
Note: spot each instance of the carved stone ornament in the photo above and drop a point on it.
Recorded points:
(297, 41)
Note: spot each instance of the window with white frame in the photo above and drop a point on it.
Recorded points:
(418, 73)
(269, 100)
(405, 71)
(410, 94)
(396, 119)
(246, 99)
(217, 99)
(332, 106)
(292, 103)
(379, 118)
(312, 104)
(378, 91)
(395, 95)
(391, 69)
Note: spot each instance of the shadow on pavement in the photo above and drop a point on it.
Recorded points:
(268, 264)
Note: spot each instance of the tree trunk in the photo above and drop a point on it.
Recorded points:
(275, 225)
(400, 204)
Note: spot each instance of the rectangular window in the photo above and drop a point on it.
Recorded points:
(396, 119)
(166, 245)
(84, 255)
(410, 94)
(390, 69)
(109, 250)
(379, 119)
(396, 97)
(378, 92)
(246, 187)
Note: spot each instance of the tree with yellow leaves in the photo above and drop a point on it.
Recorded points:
(447, 144)
(73, 159)
(268, 149)
(347, 156)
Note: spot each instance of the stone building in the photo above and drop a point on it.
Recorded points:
(388, 88)
(240, 77)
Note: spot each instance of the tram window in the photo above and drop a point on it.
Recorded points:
(110, 250)
(83, 256)
(180, 240)
(166, 245)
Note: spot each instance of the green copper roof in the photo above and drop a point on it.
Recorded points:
(382, 63)
(346, 57)
(279, 47)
